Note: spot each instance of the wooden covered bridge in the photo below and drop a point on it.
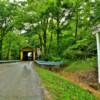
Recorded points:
(29, 53)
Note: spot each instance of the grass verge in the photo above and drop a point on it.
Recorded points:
(60, 89)
(82, 65)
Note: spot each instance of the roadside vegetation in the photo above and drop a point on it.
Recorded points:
(61, 29)
(61, 89)
(81, 65)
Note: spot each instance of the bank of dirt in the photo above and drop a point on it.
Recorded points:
(86, 79)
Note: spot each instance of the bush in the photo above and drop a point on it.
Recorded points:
(82, 65)
(80, 50)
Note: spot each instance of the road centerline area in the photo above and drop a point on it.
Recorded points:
(19, 81)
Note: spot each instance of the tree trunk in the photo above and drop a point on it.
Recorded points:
(58, 40)
(40, 42)
(9, 52)
(45, 44)
(50, 44)
(45, 37)
(58, 35)
(76, 28)
(0, 49)
(77, 19)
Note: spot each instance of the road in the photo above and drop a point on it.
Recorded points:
(19, 81)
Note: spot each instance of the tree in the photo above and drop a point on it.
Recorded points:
(6, 23)
(60, 12)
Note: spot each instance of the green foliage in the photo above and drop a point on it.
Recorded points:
(82, 65)
(53, 58)
(61, 89)
(81, 49)
(12, 44)
(60, 28)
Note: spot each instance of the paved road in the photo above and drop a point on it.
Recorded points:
(19, 81)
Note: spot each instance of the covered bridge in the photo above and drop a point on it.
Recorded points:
(28, 53)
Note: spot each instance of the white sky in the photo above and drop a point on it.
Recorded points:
(92, 0)
(16, 0)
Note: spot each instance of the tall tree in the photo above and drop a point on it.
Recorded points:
(61, 12)
(6, 25)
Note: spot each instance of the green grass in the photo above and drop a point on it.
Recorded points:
(82, 65)
(60, 89)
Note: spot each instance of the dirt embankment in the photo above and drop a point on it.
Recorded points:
(85, 79)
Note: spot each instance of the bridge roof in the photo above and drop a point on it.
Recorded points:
(27, 49)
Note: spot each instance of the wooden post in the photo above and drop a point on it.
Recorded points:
(34, 54)
(98, 52)
(21, 55)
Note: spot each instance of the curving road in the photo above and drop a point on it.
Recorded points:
(19, 81)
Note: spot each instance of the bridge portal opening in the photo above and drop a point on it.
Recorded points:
(27, 54)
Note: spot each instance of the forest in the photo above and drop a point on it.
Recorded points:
(62, 29)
